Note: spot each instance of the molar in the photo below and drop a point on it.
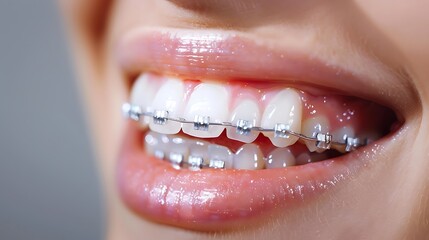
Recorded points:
(247, 110)
(284, 108)
(249, 157)
(143, 93)
(210, 100)
(170, 97)
(312, 126)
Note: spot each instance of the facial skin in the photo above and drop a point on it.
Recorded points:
(387, 40)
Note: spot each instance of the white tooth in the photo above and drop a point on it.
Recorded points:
(169, 98)
(311, 127)
(217, 152)
(284, 108)
(198, 149)
(210, 100)
(280, 158)
(156, 144)
(143, 93)
(247, 110)
(249, 157)
(178, 150)
(340, 135)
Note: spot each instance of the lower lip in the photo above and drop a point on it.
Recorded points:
(219, 199)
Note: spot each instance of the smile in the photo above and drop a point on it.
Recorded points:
(224, 131)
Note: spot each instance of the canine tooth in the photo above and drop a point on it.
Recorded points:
(311, 127)
(249, 157)
(284, 109)
(220, 153)
(207, 100)
(143, 93)
(280, 158)
(246, 110)
(169, 98)
(156, 144)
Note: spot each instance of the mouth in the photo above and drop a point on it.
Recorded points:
(224, 131)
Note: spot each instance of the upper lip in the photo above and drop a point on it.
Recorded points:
(232, 56)
(222, 55)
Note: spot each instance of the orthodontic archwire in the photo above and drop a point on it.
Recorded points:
(244, 127)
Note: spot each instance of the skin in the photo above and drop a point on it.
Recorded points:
(389, 201)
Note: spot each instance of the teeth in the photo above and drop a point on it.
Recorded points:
(194, 155)
(341, 134)
(220, 153)
(280, 158)
(249, 157)
(207, 100)
(198, 149)
(285, 108)
(178, 151)
(311, 127)
(198, 152)
(143, 93)
(247, 110)
(209, 103)
(169, 98)
(156, 144)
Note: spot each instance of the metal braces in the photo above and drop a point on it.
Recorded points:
(244, 127)
(178, 161)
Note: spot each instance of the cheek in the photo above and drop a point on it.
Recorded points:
(404, 23)
(399, 30)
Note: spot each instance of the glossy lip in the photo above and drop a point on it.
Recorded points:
(219, 55)
(223, 199)
(211, 200)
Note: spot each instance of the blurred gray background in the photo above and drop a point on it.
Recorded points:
(48, 183)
